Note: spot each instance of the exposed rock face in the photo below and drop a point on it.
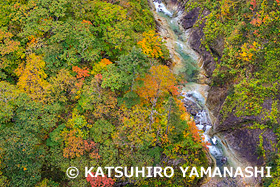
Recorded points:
(175, 5)
(242, 143)
(217, 47)
(195, 42)
(216, 97)
(242, 140)
(190, 18)
(195, 37)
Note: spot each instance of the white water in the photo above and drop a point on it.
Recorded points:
(160, 7)
(204, 124)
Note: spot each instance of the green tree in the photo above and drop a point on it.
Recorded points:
(125, 75)
(22, 137)
(11, 54)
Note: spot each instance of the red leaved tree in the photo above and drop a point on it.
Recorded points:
(100, 181)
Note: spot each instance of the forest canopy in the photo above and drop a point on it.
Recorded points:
(85, 83)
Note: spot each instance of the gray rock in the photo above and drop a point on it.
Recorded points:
(191, 107)
(190, 18)
(243, 141)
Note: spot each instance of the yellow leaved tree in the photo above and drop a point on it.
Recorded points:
(151, 44)
(32, 77)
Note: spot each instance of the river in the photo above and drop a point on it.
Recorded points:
(188, 64)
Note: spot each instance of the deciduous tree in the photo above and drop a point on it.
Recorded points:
(32, 77)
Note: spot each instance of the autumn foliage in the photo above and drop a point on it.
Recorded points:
(158, 82)
(83, 83)
(75, 146)
(151, 44)
(100, 66)
(100, 181)
(81, 72)
(32, 77)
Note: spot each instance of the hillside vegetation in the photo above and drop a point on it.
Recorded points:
(249, 65)
(84, 83)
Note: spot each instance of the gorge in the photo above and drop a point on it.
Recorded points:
(191, 86)
(196, 65)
